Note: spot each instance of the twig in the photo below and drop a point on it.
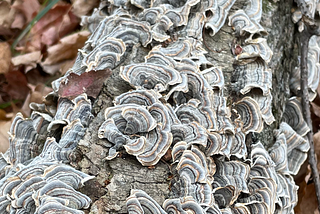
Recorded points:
(304, 41)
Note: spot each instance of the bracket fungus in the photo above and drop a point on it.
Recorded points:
(180, 105)
(313, 70)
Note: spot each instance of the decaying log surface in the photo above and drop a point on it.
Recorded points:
(117, 181)
(216, 127)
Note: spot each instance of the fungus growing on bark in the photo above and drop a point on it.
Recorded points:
(253, 75)
(250, 115)
(143, 132)
(150, 76)
(256, 48)
(220, 11)
(241, 23)
(313, 70)
(179, 107)
(106, 55)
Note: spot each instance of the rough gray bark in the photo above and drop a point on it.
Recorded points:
(115, 178)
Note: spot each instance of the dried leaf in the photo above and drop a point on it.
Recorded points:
(316, 141)
(307, 199)
(88, 82)
(30, 60)
(4, 136)
(67, 48)
(58, 22)
(52, 69)
(83, 7)
(6, 18)
(38, 92)
(19, 21)
(66, 65)
(25, 110)
(28, 8)
(36, 95)
(17, 85)
(5, 57)
(316, 109)
(3, 115)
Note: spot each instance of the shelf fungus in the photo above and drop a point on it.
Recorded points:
(31, 167)
(214, 77)
(105, 56)
(233, 173)
(241, 23)
(219, 13)
(195, 172)
(70, 110)
(22, 139)
(313, 70)
(294, 118)
(150, 76)
(159, 22)
(256, 48)
(252, 75)
(179, 106)
(143, 132)
(120, 27)
(140, 202)
(250, 115)
(192, 112)
(297, 148)
(265, 104)
(61, 193)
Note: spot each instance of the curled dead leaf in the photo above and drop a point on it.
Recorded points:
(4, 136)
(88, 82)
(27, 8)
(56, 23)
(83, 7)
(67, 48)
(16, 85)
(307, 202)
(6, 18)
(5, 57)
(29, 60)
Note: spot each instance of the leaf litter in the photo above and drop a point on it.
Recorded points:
(44, 54)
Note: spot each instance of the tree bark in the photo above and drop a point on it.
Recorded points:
(115, 178)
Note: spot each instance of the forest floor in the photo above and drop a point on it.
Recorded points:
(29, 63)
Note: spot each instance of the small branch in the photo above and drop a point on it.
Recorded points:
(304, 41)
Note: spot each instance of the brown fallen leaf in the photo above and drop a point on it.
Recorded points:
(89, 82)
(316, 142)
(5, 57)
(316, 109)
(28, 8)
(56, 23)
(29, 60)
(3, 115)
(67, 48)
(38, 92)
(16, 85)
(19, 21)
(6, 18)
(4, 136)
(66, 65)
(36, 95)
(307, 202)
(25, 110)
(83, 7)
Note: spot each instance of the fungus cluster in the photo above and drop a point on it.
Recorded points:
(35, 177)
(176, 105)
